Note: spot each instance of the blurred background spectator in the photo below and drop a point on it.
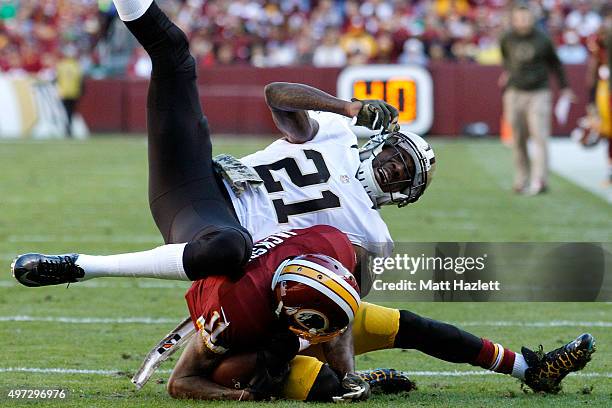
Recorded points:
(572, 51)
(286, 32)
(69, 78)
(329, 53)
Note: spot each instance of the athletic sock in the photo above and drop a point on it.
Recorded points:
(495, 357)
(164, 262)
(130, 10)
(519, 367)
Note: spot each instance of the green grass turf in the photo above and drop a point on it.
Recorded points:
(91, 197)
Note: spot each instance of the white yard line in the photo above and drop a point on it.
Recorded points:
(552, 323)
(164, 320)
(586, 168)
(114, 239)
(456, 373)
(90, 320)
(58, 370)
(154, 284)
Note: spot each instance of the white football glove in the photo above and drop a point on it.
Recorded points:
(356, 389)
(211, 331)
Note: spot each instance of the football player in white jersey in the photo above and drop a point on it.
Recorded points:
(323, 181)
(314, 175)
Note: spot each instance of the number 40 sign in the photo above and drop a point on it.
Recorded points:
(408, 88)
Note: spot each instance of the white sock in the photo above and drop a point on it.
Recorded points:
(164, 262)
(519, 367)
(130, 10)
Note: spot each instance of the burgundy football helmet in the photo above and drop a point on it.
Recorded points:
(318, 296)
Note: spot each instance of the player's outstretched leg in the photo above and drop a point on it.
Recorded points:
(164, 262)
(188, 202)
(543, 372)
(193, 214)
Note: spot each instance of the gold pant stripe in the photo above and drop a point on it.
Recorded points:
(304, 372)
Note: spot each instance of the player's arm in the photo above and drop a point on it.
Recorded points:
(363, 273)
(190, 377)
(340, 354)
(591, 76)
(290, 103)
(340, 357)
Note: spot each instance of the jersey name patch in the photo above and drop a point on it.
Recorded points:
(262, 247)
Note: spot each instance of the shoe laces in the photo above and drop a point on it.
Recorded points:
(64, 265)
(561, 358)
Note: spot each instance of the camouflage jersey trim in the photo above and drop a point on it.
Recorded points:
(237, 174)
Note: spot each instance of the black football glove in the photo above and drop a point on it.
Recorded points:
(268, 380)
(377, 115)
(355, 389)
(272, 366)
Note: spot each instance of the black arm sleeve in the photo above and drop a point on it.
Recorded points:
(504, 52)
(272, 366)
(555, 65)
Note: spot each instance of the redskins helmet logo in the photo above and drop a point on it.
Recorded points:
(312, 320)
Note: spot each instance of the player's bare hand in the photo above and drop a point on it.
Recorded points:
(355, 389)
(210, 332)
(377, 115)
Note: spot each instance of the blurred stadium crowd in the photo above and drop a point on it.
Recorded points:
(34, 35)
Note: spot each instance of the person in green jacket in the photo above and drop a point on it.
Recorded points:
(528, 57)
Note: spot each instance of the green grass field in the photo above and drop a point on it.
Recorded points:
(91, 197)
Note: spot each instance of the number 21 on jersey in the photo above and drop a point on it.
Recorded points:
(320, 177)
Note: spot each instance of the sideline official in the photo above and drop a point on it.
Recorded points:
(528, 57)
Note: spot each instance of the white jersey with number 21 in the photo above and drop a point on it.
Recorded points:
(310, 184)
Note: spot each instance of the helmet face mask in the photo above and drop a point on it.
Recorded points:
(411, 153)
(316, 296)
(310, 324)
(393, 153)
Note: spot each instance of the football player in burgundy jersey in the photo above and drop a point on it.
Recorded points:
(249, 321)
(284, 301)
(248, 302)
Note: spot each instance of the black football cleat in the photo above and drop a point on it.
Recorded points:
(43, 270)
(387, 381)
(547, 370)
